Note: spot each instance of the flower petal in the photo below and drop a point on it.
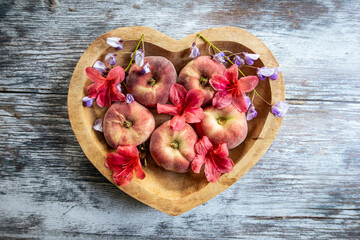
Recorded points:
(116, 94)
(221, 151)
(211, 173)
(194, 115)
(222, 99)
(219, 82)
(100, 67)
(252, 56)
(145, 69)
(203, 146)
(110, 59)
(177, 94)
(252, 113)
(124, 177)
(94, 75)
(167, 108)
(139, 57)
(103, 99)
(129, 151)
(87, 102)
(194, 51)
(280, 109)
(240, 103)
(194, 98)
(247, 84)
(219, 57)
(117, 74)
(115, 42)
(238, 61)
(129, 98)
(91, 89)
(177, 122)
(139, 171)
(232, 74)
(197, 163)
(114, 162)
(98, 125)
(265, 71)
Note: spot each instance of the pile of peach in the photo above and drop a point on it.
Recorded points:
(172, 144)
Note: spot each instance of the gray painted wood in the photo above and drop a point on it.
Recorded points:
(306, 186)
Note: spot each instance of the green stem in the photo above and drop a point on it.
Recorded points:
(261, 97)
(219, 51)
(133, 55)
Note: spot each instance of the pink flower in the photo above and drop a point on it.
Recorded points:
(124, 163)
(106, 89)
(230, 89)
(215, 159)
(186, 108)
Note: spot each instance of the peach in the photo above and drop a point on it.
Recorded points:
(171, 149)
(153, 87)
(196, 74)
(226, 125)
(126, 124)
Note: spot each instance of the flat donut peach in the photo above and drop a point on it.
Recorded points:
(126, 124)
(153, 87)
(171, 149)
(196, 75)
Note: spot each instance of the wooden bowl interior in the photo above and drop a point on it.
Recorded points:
(164, 183)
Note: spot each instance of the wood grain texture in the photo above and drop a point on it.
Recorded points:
(305, 187)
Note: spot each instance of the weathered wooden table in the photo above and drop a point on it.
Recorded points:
(306, 186)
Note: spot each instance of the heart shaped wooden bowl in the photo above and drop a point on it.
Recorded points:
(169, 192)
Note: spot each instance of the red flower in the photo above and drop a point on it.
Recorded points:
(215, 158)
(124, 163)
(106, 89)
(231, 90)
(186, 106)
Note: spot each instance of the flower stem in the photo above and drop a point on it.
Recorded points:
(206, 40)
(261, 97)
(133, 55)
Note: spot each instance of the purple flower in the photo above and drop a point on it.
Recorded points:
(119, 87)
(248, 101)
(129, 98)
(252, 113)
(139, 57)
(146, 68)
(115, 42)
(194, 51)
(272, 73)
(219, 57)
(110, 59)
(279, 109)
(87, 102)
(100, 66)
(238, 61)
(98, 125)
(250, 57)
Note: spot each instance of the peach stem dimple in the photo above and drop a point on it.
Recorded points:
(204, 81)
(221, 120)
(174, 144)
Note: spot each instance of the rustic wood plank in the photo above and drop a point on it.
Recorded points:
(305, 187)
(314, 42)
(308, 188)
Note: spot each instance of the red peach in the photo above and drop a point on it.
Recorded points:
(153, 87)
(171, 149)
(126, 124)
(196, 74)
(226, 125)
